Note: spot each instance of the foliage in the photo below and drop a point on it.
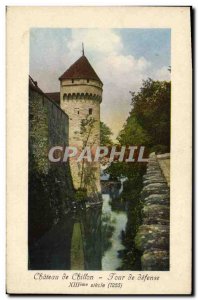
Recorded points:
(81, 195)
(131, 194)
(105, 135)
(147, 125)
(149, 121)
(87, 126)
(133, 133)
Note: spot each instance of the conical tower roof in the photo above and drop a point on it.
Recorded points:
(81, 69)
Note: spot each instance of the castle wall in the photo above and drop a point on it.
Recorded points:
(81, 100)
(50, 184)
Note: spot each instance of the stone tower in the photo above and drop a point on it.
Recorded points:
(80, 98)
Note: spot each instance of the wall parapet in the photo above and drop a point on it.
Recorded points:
(152, 238)
(34, 87)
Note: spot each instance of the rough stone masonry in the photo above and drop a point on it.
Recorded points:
(152, 237)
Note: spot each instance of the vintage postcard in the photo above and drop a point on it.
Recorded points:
(99, 157)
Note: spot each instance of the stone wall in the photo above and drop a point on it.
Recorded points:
(50, 184)
(152, 238)
(80, 100)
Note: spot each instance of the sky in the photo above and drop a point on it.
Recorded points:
(122, 58)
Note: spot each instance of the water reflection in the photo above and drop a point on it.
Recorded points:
(89, 239)
(52, 251)
(92, 238)
(77, 249)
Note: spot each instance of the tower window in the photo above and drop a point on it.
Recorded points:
(72, 80)
(90, 111)
(87, 80)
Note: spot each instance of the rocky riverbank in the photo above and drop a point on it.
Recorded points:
(152, 238)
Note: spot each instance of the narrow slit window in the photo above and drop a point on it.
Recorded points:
(90, 111)
(77, 111)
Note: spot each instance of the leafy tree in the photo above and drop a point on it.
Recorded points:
(151, 111)
(105, 135)
(133, 133)
(148, 125)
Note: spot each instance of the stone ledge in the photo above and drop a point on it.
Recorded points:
(152, 237)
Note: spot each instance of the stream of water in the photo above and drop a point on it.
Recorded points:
(117, 219)
(89, 240)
